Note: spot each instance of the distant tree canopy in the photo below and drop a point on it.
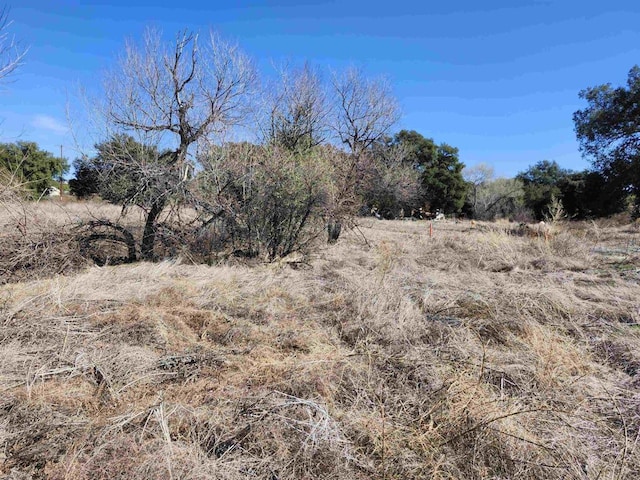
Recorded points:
(477, 177)
(490, 198)
(87, 180)
(443, 186)
(608, 130)
(585, 194)
(33, 167)
(541, 183)
(500, 198)
(588, 194)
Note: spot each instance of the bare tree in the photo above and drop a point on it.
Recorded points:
(477, 176)
(297, 110)
(390, 184)
(11, 53)
(365, 110)
(175, 96)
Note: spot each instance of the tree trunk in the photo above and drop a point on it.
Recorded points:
(149, 235)
(475, 200)
(333, 229)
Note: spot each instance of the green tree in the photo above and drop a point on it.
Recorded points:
(590, 194)
(34, 167)
(572, 189)
(87, 179)
(585, 194)
(602, 196)
(440, 170)
(541, 183)
(608, 130)
(123, 171)
(132, 173)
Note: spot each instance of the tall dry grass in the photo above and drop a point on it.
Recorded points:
(474, 353)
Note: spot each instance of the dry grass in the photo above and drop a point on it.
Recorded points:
(472, 354)
(41, 238)
(50, 236)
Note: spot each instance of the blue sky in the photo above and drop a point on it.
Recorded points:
(499, 79)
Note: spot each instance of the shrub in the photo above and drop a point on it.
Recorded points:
(263, 200)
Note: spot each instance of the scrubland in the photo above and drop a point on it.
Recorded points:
(474, 353)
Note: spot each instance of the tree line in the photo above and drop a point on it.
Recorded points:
(323, 152)
(401, 175)
(533, 193)
(33, 168)
(608, 133)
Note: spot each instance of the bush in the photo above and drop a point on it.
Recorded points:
(263, 201)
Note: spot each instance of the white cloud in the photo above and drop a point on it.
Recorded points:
(46, 122)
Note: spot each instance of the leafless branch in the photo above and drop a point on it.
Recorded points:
(296, 109)
(365, 109)
(11, 52)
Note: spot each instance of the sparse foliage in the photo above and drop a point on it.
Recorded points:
(477, 177)
(389, 183)
(555, 211)
(365, 110)
(501, 198)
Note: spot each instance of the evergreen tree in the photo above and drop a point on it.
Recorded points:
(440, 170)
(608, 130)
(36, 168)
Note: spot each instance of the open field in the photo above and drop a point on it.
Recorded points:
(472, 354)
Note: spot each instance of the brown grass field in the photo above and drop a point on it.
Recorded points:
(474, 354)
